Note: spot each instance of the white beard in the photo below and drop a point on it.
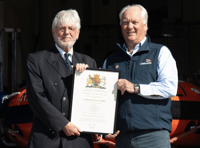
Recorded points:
(62, 44)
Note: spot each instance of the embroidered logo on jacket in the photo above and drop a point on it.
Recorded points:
(148, 61)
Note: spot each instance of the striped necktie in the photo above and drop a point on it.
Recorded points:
(67, 60)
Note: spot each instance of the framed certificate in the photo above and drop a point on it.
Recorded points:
(95, 100)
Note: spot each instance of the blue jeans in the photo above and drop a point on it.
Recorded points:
(144, 139)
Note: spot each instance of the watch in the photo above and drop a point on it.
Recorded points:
(136, 88)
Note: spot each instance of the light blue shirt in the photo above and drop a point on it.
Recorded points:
(167, 82)
(62, 52)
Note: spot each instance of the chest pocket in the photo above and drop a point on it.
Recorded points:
(144, 71)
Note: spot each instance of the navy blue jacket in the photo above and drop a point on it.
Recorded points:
(136, 112)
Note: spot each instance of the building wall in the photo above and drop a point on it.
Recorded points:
(100, 28)
(1, 14)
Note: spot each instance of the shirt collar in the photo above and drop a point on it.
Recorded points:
(62, 52)
(136, 47)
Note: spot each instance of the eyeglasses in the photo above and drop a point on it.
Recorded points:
(63, 29)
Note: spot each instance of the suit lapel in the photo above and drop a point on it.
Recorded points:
(74, 59)
(58, 63)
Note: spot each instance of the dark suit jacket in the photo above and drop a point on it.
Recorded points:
(49, 93)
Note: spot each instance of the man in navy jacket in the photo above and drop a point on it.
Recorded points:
(148, 79)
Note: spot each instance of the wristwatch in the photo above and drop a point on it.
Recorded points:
(136, 88)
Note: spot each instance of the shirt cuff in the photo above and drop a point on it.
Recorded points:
(147, 91)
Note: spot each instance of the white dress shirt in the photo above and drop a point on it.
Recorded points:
(62, 52)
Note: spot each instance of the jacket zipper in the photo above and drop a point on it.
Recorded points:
(129, 71)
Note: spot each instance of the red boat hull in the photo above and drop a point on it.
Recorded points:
(187, 94)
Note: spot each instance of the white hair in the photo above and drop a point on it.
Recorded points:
(65, 16)
(143, 10)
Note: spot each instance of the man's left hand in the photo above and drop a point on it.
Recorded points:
(112, 136)
(80, 67)
(125, 85)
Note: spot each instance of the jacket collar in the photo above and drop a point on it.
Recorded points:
(62, 52)
(144, 46)
(57, 62)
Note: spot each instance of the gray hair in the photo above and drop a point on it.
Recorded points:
(143, 10)
(67, 15)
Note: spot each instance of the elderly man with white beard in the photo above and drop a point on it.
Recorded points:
(49, 83)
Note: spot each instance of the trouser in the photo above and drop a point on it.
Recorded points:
(144, 139)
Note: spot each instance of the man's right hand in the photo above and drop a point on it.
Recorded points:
(71, 130)
(125, 85)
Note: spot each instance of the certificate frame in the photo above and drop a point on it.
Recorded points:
(94, 103)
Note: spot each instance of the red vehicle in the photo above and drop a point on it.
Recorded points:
(16, 118)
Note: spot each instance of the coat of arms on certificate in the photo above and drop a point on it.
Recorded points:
(96, 81)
